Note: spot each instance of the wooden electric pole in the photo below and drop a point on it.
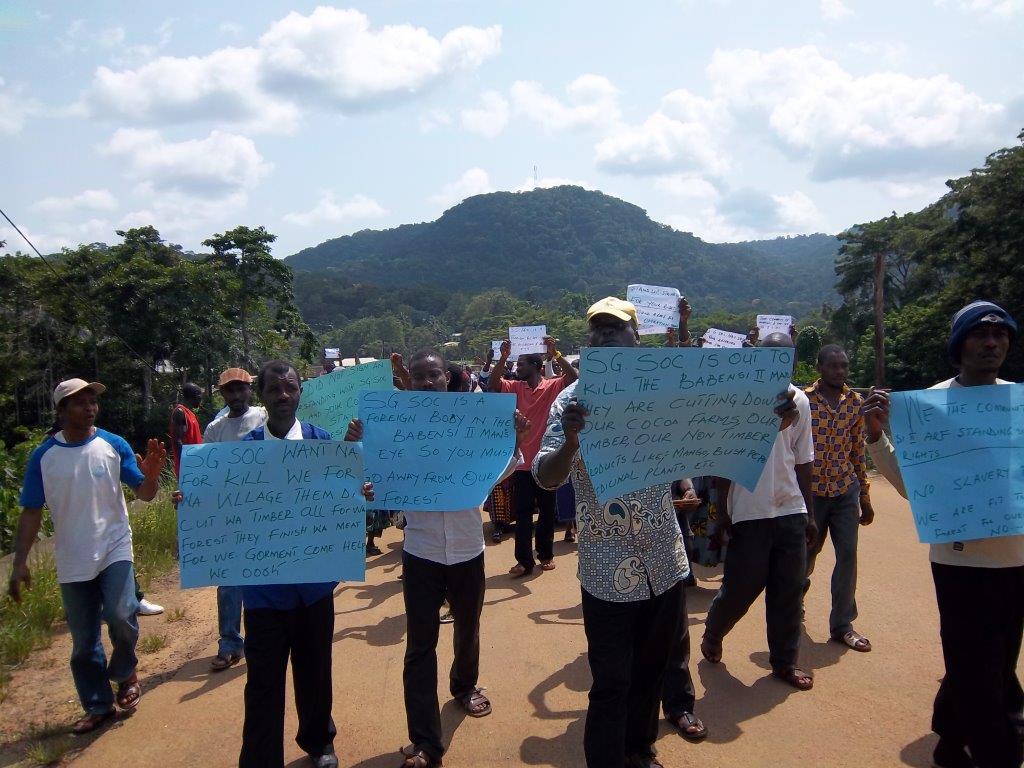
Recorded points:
(879, 319)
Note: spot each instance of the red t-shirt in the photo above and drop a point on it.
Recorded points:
(193, 434)
(534, 404)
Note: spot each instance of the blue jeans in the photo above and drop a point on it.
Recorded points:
(229, 620)
(110, 598)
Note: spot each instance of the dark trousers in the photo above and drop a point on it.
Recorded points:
(981, 618)
(628, 648)
(526, 495)
(839, 517)
(677, 694)
(425, 587)
(767, 556)
(306, 634)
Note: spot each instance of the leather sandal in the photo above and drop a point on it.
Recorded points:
(90, 723)
(417, 758)
(129, 692)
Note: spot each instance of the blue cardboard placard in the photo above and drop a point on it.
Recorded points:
(331, 401)
(271, 512)
(961, 452)
(435, 451)
(659, 415)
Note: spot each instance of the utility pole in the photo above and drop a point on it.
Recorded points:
(880, 319)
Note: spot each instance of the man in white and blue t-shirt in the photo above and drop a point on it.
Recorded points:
(77, 473)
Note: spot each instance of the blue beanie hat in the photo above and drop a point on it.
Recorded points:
(970, 317)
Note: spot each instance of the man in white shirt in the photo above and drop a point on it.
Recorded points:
(979, 585)
(771, 529)
(443, 557)
(77, 473)
(241, 418)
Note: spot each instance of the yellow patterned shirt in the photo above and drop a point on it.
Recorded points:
(838, 443)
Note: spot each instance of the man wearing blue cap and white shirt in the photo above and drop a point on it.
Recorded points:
(77, 473)
(979, 585)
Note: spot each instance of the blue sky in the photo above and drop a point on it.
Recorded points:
(729, 119)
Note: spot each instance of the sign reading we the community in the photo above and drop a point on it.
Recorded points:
(659, 415)
(961, 452)
(435, 451)
(271, 512)
(332, 401)
(657, 307)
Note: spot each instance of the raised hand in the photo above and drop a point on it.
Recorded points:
(574, 419)
(506, 349)
(684, 310)
(549, 344)
(152, 464)
(399, 370)
(876, 413)
(521, 424)
(786, 409)
(354, 433)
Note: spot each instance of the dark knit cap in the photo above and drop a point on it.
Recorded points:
(970, 317)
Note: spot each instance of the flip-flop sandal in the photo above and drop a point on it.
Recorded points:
(90, 723)
(475, 703)
(548, 565)
(687, 720)
(795, 677)
(854, 640)
(518, 571)
(128, 693)
(221, 662)
(417, 758)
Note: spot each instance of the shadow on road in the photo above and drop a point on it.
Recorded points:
(566, 750)
(504, 582)
(199, 670)
(388, 631)
(918, 754)
(573, 615)
(375, 594)
(728, 703)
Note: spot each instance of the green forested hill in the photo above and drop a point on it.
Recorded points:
(538, 245)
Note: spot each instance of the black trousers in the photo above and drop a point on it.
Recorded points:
(306, 634)
(769, 556)
(677, 693)
(628, 648)
(981, 619)
(425, 587)
(527, 494)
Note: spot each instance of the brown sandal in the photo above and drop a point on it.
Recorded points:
(129, 692)
(475, 703)
(690, 727)
(90, 723)
(221, 662)
(795, 677)
(417, 758)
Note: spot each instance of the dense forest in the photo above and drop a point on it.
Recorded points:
(142, 315)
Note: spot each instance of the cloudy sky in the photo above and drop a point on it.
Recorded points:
(731, 119)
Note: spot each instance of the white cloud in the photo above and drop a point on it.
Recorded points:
(693, 187)
(750, 214)
(490, 118)
(997, 9)
(682, 136)
(879, 124)
(89, 200)
(230, 28)
(591, 101)
(926, 191)
(330, 209)
(46, 242)
(329, 58)
(834, 10)
(15, 107)
(797, 213)
(475, 181)
(217, 166)
(435, 118)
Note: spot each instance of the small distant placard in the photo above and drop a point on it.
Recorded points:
(715, 338)
(271, 512)
(527, 340)
(332, 401)
(767, 324)
(657, 307)
(332, 353)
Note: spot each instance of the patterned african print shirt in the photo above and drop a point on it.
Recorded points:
(631, 548)
(838, 443)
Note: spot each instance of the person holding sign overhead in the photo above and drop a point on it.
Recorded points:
(287, 620)
(771, 529)
(442, 558)
(534, 396)
(77, 473)
(979, 585)
(631, 568)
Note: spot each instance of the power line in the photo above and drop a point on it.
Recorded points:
(74, 291)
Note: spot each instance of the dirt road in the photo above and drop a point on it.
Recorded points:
(865, 709)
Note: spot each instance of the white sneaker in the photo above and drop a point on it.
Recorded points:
(147, 608)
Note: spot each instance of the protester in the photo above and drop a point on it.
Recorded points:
(841, 500)
(235, 386)
(184, 425)
(534, 396)
(77, 474)
(443, 557)
(979, 585)
(285, 621)
(771, 529)
(630, 574)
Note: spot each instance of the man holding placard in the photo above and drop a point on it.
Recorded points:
(771, 529)
(979, 584)
(534, 396)
(442, 559)
(631, 567)
(287, 620)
